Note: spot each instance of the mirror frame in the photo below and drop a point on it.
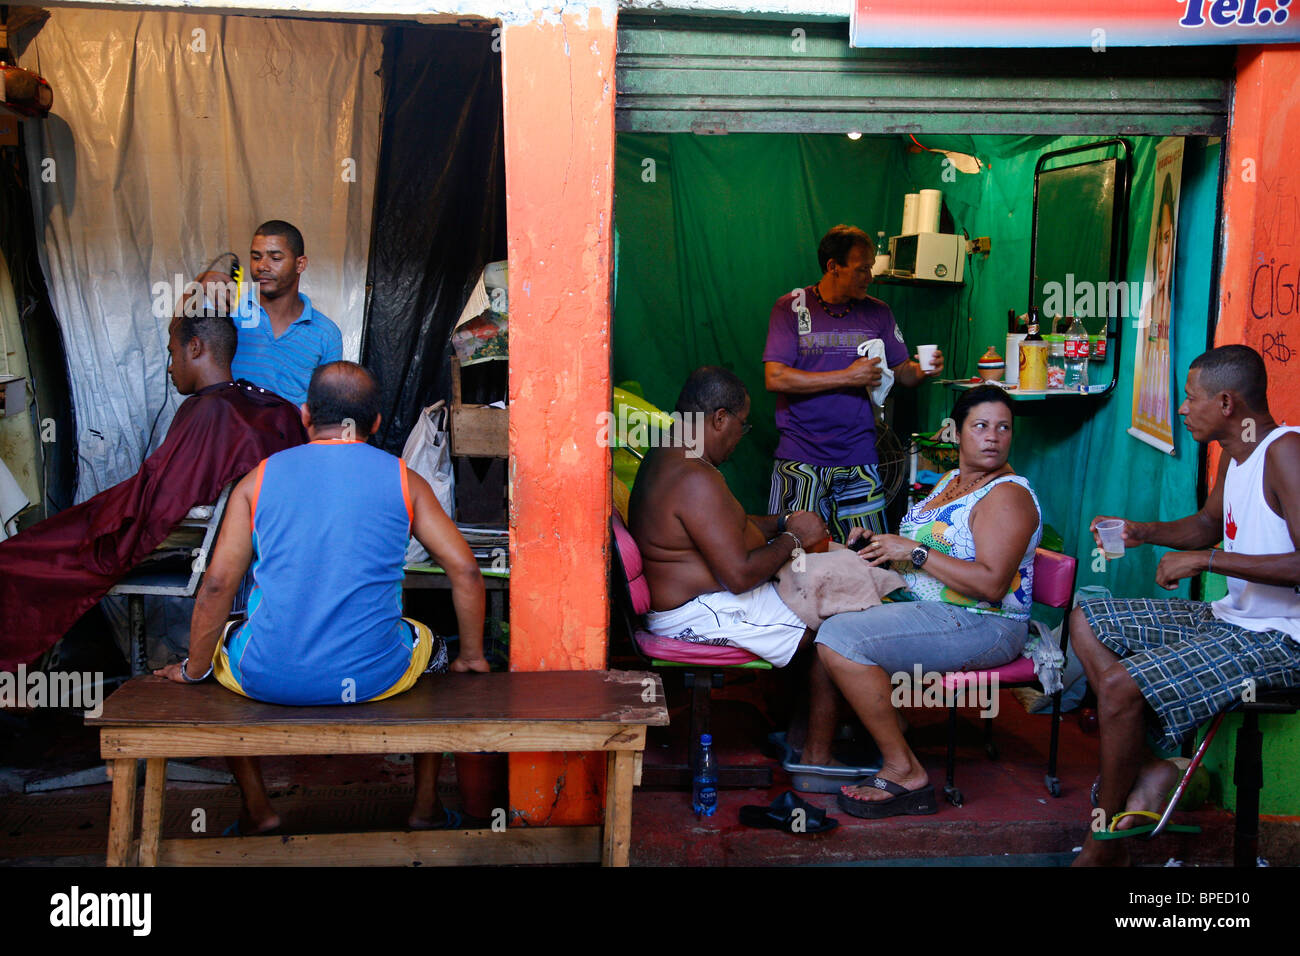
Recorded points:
(1118, 229)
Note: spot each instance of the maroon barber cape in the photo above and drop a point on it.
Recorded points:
(57, 570)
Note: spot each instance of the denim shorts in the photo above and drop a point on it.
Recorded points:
(938, 636)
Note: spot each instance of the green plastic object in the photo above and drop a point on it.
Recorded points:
(1052, 539)
(634, 420)
(752, 665)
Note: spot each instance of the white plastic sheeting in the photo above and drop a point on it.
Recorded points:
(172, 137)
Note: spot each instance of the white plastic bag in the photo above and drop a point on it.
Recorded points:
(428, 453)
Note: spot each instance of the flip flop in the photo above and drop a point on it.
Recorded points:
(235, 830)
(451, 821)
(1112, 834)
(1193, 797)
(789, 814)
(918, 802)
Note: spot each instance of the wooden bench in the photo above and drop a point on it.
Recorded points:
(153, 719)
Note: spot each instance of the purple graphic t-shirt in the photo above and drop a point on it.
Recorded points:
(834, 427)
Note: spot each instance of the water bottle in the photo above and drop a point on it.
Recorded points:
(704, 788)
(880, 265)
(1076, 356)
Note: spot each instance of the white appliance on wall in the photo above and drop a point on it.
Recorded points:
(935, 256)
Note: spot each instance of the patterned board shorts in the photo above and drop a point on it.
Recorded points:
(1188, 664)
(846, 496)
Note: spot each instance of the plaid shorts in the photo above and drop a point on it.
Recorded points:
(1188, 664)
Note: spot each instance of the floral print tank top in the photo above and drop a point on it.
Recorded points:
(946, 529)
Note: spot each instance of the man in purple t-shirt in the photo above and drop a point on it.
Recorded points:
(826, 459)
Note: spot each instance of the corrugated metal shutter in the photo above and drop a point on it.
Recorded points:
(682, 74)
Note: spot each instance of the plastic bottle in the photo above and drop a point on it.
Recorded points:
(881, 264)
(1055, 362)
(704, 788)
(1076, 356)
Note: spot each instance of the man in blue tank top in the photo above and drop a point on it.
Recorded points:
(325, 531)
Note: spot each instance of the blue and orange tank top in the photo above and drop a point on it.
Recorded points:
(330, 523)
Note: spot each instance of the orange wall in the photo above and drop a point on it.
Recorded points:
(558, 79)
(1259, 300)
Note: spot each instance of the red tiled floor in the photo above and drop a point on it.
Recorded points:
(1007, 808)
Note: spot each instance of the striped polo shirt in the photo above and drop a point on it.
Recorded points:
(284, 365)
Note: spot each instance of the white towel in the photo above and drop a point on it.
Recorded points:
(1044, 649)
(875, 348)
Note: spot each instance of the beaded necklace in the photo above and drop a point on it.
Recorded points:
(827, 308)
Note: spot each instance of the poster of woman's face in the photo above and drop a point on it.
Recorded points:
(1165, 237)
(1153, 381)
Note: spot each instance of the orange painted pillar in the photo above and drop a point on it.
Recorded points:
(1259, 298)
(558, 79)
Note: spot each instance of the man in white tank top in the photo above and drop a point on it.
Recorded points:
(1188, 660)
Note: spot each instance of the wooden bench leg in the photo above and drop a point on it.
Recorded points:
(155, 786)
(121, 819)
(618, 807)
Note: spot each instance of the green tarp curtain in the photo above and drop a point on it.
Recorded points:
(712, 229)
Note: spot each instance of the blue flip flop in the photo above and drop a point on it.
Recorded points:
(235, 830)
(451, 820)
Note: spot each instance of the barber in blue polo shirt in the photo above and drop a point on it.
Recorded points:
(282, 339)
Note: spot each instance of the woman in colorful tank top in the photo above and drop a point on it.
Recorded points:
(966, 553)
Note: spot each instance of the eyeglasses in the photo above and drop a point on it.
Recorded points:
(744, 426)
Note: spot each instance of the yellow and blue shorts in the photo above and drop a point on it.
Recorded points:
(428, 655)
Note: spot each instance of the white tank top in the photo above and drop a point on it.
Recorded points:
(1251, 527)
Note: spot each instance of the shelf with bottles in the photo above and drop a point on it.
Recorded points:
(1024, 395)
(1068, 339)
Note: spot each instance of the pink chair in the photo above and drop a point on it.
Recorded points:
(1054, 578)
(703, 664)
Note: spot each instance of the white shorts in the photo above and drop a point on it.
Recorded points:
(757, 621)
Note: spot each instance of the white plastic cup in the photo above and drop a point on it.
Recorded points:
(1111, 533)
(925, 355)
(1013, 357)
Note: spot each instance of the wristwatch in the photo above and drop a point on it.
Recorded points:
(919, 554)
(780, 522)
